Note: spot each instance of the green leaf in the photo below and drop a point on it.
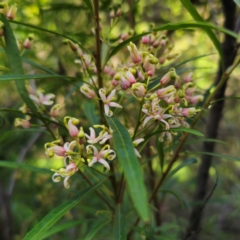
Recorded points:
(23, 166)
(89, 5)
(15, 62)
(88, 109)
(187, 130)
(16, 77)
(119, 229)
(95, 229)
(51, 218)
(219, 155)
(62, 227)
(174, 194)
(131, 167)
(187, 4)
(171, 26)
(160, 150)
(180, 166)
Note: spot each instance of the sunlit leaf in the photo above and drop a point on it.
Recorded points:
(91, 234)
(131, 167)
(119, 229)
(182, 165)
(23, 166)
(51, 218)
(188, 130)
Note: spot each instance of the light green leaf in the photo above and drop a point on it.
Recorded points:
(187, 130)
(188, 5)
(51, 218)
(15, 62)
(119, 230)
(23, 166)
(131, 167)
(95, 229)
(180, 166)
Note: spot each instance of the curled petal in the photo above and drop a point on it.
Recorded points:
(137, 153)
(113, 104)
(65, 182)
(94, 160)
(104, 163)
(56, 177)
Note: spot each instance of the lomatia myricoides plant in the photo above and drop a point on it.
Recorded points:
(142, 90)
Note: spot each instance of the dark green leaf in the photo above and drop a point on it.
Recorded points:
(160, 150)
(89, 111)
(10, 77)
(95, 229)
(51, 218)
(131, 167)
(62, 227)
(219, 155)
(89, 5)
(187, 130)
(174, 194)
(119, 230)
(15, 62)
(23, 166)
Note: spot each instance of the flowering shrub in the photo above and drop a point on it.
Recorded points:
(140, 99)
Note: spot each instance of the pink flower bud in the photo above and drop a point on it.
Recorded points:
(135, 55)
(146, 39)
(87, 91)
(189, 77)
(12, 12)
(28, 42)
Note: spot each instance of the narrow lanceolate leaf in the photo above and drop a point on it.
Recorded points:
(15, 62)
(51, 218)
(62, 227)
(91, 234)
(119, 229)
(172, 26)
(188, 5)
(19, 77)
(160, 150)
(131, 167)
(188, 130)
(89, 110)
(182, 165)
(220, 156)
(23, 166)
